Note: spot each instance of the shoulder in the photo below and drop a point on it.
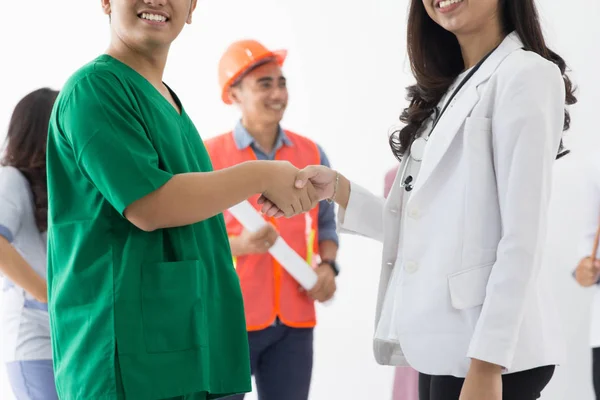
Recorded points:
(528, 69)
(296, 137)
(12, 176)
(91, 82)
(12, 182)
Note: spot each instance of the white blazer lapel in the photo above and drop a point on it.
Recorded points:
(457, 112)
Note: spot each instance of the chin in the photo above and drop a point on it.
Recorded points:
(453, 26)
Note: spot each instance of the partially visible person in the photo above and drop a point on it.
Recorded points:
(24, 323)
(280, 318)
(587, 272)
(406, 379)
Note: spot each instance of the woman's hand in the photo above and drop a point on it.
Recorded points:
(483, 382)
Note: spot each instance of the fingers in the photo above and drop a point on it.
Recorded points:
(296, 208)
(305, 201)
(304, 176)
(269, 209)
(315, 291)
(324, 291)
(266, 205)
(313, 196)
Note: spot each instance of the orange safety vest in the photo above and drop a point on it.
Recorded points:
(269, 291)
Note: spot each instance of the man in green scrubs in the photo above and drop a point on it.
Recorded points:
(143, 298)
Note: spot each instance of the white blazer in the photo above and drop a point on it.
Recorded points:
(475, 225)
(588, 199)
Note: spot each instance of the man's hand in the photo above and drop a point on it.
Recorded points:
(318, 179)
(283, 195)
(259, 242)
(587, 272)
(325, 287)
(483, 382)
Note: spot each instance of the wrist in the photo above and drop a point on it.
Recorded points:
(343, 192)
(484, 367)
(331, 264)
(261, 173)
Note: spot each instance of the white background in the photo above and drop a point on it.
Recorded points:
(347, 71)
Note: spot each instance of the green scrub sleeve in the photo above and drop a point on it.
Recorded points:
(110, 143)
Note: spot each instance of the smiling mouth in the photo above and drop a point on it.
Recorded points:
(442, 5)
(276, 107)
(153, 17)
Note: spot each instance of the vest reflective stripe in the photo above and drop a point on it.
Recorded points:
(268, 290)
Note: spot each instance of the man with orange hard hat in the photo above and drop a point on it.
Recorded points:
(280, 315)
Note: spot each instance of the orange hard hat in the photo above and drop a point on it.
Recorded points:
(241, 56)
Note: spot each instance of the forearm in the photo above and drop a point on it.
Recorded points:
(485, 367)
(193, 197)
(15, 268)
(328, 250)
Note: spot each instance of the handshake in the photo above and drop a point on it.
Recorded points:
(289, 191)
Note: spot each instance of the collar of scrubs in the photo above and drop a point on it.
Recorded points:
(243, 139)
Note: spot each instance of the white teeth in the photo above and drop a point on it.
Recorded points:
(277, 106)
(154, 17)
(448, 3)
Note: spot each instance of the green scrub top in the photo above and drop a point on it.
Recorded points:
(134, 314)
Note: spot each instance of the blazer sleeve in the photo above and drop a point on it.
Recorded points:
(364, 214)
(527, 125)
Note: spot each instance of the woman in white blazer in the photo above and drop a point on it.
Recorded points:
(463, 228)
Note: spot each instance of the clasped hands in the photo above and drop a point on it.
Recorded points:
(290, 191)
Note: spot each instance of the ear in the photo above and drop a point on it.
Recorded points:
(106, 6)
(235, 95)
(193, 5)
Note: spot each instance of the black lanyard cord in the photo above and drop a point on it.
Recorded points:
(460, 85)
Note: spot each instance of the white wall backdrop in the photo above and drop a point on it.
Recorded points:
(347, 71)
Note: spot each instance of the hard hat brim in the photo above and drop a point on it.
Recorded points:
(279, 56)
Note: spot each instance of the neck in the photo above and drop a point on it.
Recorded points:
(265, 135)
(474, 46)
(150, 64)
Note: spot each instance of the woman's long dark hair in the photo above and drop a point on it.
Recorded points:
(436, 61)
(26, 146)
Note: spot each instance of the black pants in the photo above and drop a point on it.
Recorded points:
(525, 385)
(281, 359)
(596, 370)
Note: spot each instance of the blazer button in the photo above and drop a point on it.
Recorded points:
(389, 263)
(411, 267)
(394, 211)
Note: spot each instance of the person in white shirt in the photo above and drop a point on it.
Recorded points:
(24, 322)
(463, 228)
(587, 272)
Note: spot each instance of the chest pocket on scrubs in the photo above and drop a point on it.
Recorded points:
(173, 309)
